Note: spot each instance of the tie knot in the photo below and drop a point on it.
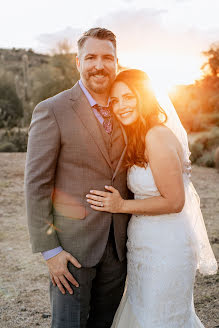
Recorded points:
(104, 111)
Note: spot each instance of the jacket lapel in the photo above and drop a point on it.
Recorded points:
(82, 107)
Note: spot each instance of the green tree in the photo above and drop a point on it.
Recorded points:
(198, 104)
(212, 63)
(58, 75)
(208, 86)
(10, 105)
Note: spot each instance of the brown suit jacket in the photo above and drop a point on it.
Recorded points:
(67, 157)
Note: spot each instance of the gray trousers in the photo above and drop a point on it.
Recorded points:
(96, 300)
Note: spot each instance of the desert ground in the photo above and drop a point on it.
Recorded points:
(24, 281)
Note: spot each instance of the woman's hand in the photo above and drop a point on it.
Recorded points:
(106, 201)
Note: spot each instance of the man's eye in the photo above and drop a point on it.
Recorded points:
(109, 58)
(90, 57)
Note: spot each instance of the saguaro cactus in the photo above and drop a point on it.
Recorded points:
(25, 74)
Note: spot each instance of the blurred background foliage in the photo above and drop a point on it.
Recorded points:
(26, 78)
(198, 108)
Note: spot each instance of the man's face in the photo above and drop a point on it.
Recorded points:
(97, 64)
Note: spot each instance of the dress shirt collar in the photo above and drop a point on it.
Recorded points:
(91, 100)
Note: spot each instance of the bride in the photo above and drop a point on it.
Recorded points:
(167, 239)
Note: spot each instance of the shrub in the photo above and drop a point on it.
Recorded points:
(203, 149)
(14, 141)
(207, 159)
(196, 151)
(7, 147)
(210, 140)
(10, 105)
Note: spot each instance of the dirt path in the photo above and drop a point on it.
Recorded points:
(24, 300)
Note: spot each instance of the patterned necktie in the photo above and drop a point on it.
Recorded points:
(107, 116)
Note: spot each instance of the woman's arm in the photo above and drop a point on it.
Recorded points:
(164, 159)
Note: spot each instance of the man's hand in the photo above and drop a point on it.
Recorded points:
(59, 272)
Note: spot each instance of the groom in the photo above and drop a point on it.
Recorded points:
(75, 145)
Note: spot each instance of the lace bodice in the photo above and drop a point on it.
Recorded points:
(141, 182)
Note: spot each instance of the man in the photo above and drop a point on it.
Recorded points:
(75, 145)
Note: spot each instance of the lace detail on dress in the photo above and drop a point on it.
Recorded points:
(141, 182)
(162, 261)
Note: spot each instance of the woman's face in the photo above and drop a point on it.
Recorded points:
(124, 103)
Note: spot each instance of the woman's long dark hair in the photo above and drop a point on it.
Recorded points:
(150, 114)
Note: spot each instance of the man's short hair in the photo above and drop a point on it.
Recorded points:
(97, 33)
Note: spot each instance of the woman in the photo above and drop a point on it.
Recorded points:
(167, 239)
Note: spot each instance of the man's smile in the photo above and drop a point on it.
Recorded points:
(99, 77)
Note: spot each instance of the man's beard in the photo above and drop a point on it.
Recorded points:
(99, 88)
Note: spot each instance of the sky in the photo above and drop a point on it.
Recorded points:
(163, 37)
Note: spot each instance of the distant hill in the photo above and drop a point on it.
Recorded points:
(12, 59)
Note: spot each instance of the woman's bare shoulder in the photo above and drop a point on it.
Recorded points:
(161, 133)
(161, 139)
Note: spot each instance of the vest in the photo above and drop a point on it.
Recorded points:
(114, 142)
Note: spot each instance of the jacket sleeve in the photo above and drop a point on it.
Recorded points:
(42, 154)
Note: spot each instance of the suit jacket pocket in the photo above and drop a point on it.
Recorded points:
(69, 211)
(67, 206)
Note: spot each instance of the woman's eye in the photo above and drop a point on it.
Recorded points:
(129, 97)
(113, 102)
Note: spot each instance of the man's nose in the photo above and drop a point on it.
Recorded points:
(99, 64)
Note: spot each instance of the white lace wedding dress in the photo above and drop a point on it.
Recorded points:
(162, 262)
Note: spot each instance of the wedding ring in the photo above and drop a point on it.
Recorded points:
(101, 204)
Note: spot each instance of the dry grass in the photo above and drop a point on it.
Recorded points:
(24, 300)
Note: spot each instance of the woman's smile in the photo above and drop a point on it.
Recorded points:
(125, 113)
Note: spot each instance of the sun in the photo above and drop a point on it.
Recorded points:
(165, 70)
